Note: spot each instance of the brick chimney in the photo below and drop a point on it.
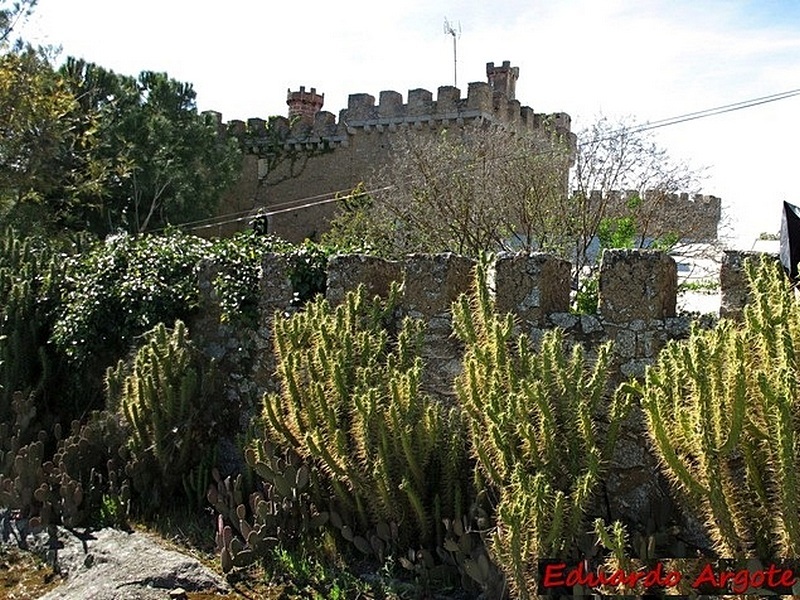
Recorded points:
(304, 104)
(503, 79)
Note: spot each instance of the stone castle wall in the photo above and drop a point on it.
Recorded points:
(636, 311)
(695, 217)
(306, 159)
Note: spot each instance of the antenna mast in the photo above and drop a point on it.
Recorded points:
(449, 29)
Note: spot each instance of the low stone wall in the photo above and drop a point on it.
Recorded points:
(636, 311)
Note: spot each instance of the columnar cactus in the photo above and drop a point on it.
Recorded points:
(532, 418)
(351, 405)
(165, 400)
(722, 412)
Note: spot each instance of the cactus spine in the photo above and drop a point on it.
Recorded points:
(351, 405)
(722, 413)
(532, 422)
(163, 400)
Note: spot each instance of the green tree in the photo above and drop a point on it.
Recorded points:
(35, 124)
(621, 180)
(159, 160)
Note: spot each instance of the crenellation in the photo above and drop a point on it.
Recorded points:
(662, 214)
(479, 97)
(237, 128)
(503, 79)
(304, 105)
(420, 103)
(257, 127)
(390, 105)
(528, 117)
(360, 107)
(324, 124)
(308, 128)
(448, 98)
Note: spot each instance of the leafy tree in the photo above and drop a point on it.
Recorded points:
(35, 125)
(84, 148)
(159, 161)
(472, 189)
(622, 179)
(464, 190)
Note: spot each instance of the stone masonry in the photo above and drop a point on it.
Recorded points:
(637, 298)
(312, 155)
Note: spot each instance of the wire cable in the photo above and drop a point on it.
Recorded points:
(327, 198)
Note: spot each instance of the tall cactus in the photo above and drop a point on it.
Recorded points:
(723, 410)
(167, 400)
(532, 419)
(351, 405)
(29, 280)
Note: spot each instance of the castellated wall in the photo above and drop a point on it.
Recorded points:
(637, 312)
(314, 156)
(695, 217)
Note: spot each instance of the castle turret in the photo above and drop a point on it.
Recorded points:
(503, 79)
(304, 104)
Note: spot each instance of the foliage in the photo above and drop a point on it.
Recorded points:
(464, 191)
(623, 178)
(351, 406)
(36, 109)
(170, 401)
(722, 413)
(123, 287)
(355, 230)
(533, 420)
(616, 233)
(12, 13)
(86, 149)
(237, 261)
(163, 162)
(31, 274)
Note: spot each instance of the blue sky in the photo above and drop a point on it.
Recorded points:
(644, 59)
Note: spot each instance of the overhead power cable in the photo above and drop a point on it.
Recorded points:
(712, 112)
(327, 198)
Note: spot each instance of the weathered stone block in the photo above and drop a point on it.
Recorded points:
(276, 287)
(434, 281)
(420, 102)
(347, 271)
(733, 281)
(361, 107)
(447, 99)
(479, 97)
(390, 104)
(637, 284)
(531, 286)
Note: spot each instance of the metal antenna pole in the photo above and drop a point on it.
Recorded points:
(456, 33)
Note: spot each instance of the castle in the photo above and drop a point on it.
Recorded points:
(294, 166)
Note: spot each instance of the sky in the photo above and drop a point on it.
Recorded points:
(642, 60)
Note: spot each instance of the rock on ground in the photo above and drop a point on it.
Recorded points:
(115, 565)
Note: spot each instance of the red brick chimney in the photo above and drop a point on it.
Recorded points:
(304, 104)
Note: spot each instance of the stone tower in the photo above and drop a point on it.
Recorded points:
(503, 79)
(304, 104)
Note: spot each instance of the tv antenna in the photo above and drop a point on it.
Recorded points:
(455, 31)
